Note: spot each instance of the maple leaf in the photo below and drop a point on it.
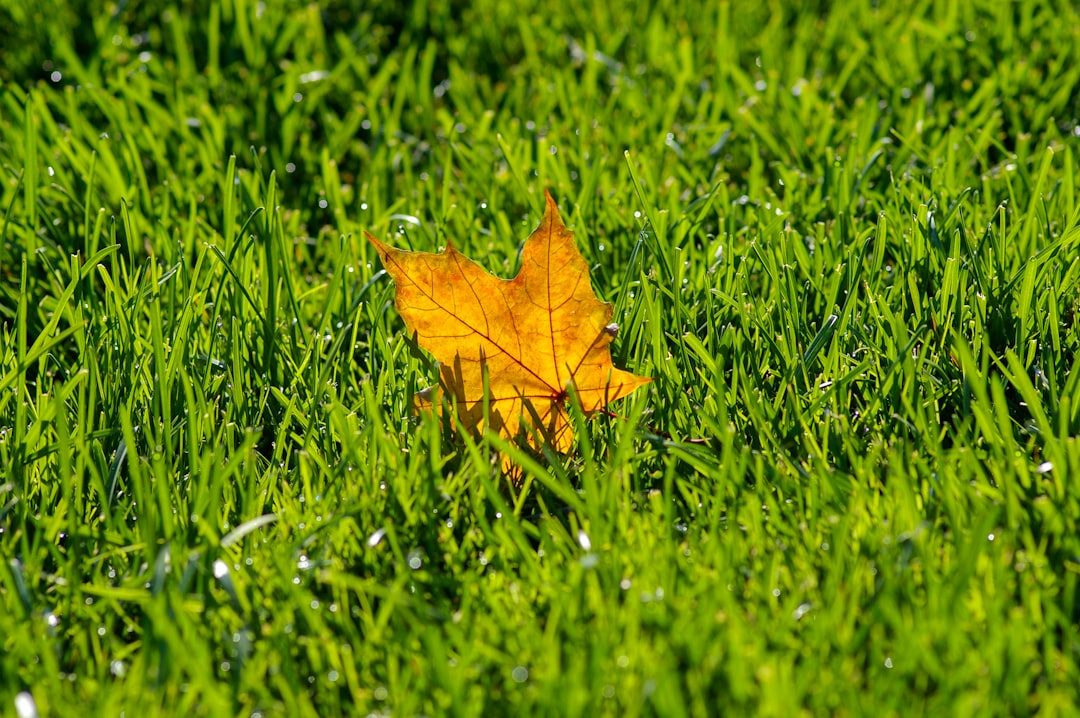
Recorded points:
(533, 336)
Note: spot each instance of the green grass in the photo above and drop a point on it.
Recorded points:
(844, 241)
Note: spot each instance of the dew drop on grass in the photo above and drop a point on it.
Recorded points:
(888, 661)
(520, 674)
(583, 540)
(25, 707)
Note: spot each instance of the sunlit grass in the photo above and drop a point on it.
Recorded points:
(844, 245)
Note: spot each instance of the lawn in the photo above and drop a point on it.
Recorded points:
(843, 240)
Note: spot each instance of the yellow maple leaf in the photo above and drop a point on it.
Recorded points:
(534, 336)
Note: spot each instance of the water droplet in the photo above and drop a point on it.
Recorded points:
(520, 674)
(313, 76)
(25, 707)
(583, 540)
(221, 569)
(888, 661)
(375, 538)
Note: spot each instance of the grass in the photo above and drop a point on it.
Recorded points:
(843, 240)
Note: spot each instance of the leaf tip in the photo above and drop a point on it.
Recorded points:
(376, 243)
(551, 217)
